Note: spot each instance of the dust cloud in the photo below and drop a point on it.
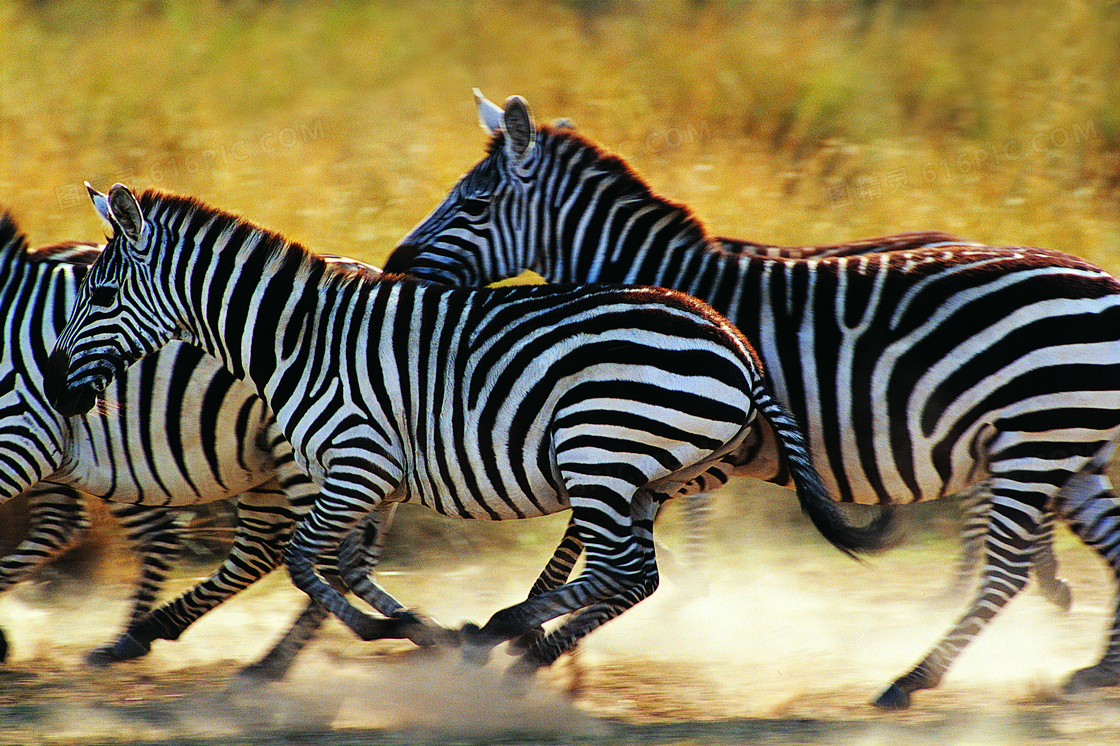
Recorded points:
(782, 640)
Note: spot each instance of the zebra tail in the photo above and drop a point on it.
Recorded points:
(880, 534)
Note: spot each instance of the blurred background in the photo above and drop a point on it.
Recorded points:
(342, 124)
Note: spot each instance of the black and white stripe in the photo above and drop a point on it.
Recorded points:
(176, 431)
(492, 404)
(917, 373)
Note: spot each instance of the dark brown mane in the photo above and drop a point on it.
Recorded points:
(14, 247)
(71, 252)
(156, 204)
(626, 180)
(164, 208)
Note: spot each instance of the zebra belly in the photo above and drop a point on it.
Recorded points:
(477, 485)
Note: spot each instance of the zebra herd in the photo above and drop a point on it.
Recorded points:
(323, 393)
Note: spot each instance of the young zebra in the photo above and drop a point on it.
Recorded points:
(178, 430)
(486, 404)
(916, 373)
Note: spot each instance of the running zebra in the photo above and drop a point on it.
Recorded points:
(485, 404)
(178, 430)
(917, 373)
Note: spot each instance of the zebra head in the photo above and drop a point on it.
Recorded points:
(484, 230)
(114, 322)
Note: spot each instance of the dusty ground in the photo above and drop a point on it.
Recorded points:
(786, 647)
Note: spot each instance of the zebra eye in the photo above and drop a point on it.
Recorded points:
(103, 296)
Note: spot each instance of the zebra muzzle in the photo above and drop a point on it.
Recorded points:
(68, 400)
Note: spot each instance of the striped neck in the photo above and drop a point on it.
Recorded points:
(612, 227)
(231, 286)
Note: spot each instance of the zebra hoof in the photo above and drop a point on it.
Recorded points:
(128, 647)
(424, 631)
(1093, 677)
(476, 648)
(1060, 595)
(101, 657)
(264, 671)
(894, 698)
(518, 645)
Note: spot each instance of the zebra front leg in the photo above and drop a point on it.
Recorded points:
(1011, 530)
(275, 664)
(340, 506)
(1044, 564)
(265, 521)
(56, 521)
(358, 556)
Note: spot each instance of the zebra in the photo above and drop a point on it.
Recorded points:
(916, 373)
(176, 431)
(486, 404)
(974, 502)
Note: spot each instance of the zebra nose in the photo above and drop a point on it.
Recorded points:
(67, 401)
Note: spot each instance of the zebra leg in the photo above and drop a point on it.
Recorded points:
(56, 521)
(1044, 565)
(275, 664)
(264, 524)
(555, 574)
(359, 554)
(618, 565)
(339, 508)
(546, 650)
(698, 532)
(1092, 508)
(155, 537)
(1012, 530)
(975, 505)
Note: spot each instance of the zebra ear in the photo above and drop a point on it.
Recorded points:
(126, 212)
(101, 204)
(490, 115)
(519, 128)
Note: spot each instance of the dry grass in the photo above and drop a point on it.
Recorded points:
(342, 124)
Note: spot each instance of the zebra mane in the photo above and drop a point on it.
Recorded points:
(624, 180)
(68, 252)
(172, 210)
(14, 247)
(13, 241)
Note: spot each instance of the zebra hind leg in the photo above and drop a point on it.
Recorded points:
(1092, 509)
(617, 576)
(975, 506)
(1014, 524)
(155, 534)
